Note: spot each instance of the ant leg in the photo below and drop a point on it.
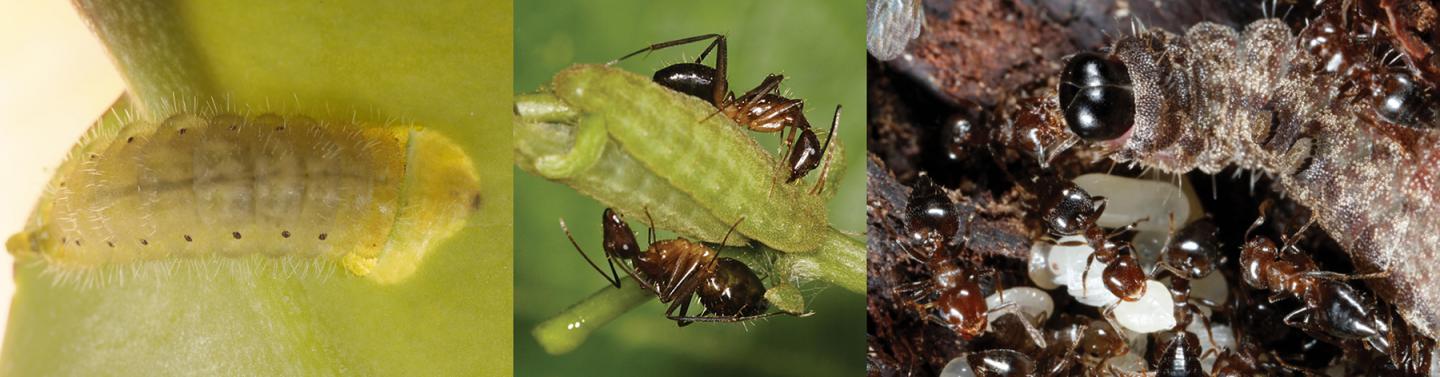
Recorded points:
(1204, 320)
(912, 291)
(677, 42)
(650, 225)
(644, 284)
(740, 318)
(834, 125)
(684, 311)
(1085, 275)
(1302, 370)
(615, 281)
(1298, 318)
(1011, 308)
(1336, 276)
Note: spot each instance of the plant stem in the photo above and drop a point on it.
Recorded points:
(567, 330)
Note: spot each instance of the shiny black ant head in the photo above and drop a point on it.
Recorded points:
(733, 290)
(1195, 249)
(1096, 97)
(1398, 99)
(804, 156)
(1069, 210)
(619, 240)
(932, 216)
(694, 79)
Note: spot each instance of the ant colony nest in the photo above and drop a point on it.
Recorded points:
(1245, 197)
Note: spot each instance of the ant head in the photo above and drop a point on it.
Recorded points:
(1194, 250)
(932, 216)
(1398, 99)
(733, 290)
(1254, 257)
(1069, 210)
(619, 240)
(1096, 96)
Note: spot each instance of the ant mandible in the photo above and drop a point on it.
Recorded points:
(761, 109)
(677, 269)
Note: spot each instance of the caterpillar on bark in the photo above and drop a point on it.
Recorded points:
(1342, 130)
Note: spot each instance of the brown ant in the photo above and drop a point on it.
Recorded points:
(1329, 306)
(761, 109)
(677, 269)
(958, 302)
(1068, 210)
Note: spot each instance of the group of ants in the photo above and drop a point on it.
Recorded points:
(677, 270)
(1330, 309)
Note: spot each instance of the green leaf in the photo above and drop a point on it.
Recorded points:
(445, 66)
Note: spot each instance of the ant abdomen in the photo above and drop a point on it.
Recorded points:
(733, 290)
(694, 79)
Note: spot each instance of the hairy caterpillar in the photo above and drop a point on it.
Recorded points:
(373, 199)
(1338, 130)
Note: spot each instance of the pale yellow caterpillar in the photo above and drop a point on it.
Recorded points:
(371, 199)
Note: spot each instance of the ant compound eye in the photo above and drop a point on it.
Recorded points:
(1095, 93)
(1398, 99)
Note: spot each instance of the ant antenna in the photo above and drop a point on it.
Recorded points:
(615, 281)
(725, 239)
(1264, 206)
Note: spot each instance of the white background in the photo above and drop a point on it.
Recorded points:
(54, 81)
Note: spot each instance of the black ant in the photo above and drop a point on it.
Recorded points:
(1068, 210)
(676, 269)
(1190, 255)
(761, 109)
(1329, 306)
(958, 300)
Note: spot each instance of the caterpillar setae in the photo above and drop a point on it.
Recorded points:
(1341, 132)
(371, 199)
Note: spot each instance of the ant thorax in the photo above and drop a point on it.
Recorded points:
(668, 263)
(1352, 140)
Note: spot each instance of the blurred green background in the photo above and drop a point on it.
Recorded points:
(820, 47)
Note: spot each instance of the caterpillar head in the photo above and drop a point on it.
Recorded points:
(1096, 98)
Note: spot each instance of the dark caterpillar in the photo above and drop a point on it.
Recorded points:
(1339, 130)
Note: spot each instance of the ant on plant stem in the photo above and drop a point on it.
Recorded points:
(761, 109)
(677, 269)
